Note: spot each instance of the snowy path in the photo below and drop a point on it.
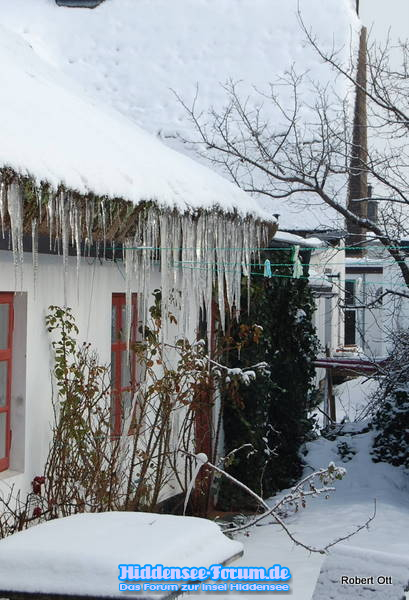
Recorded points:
(324, 520)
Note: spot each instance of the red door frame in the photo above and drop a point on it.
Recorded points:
(6, 356)
(118, 346)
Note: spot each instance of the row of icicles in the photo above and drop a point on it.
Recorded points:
(195, 251)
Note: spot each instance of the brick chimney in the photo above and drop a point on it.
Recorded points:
(358, 179)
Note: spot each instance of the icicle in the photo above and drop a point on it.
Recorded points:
(34, 252)
(103, 220)
(129, 260)
(50, 213)
(40, 200)
(209, 271)
(142, 269)
(146, 236)
(15, 210)
(76, 216)
(219, 259)
(3, 196)
(89, 214)
(164, 271)
(201, 459)
(63, 229)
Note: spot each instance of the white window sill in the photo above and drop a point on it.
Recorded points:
(8, 473)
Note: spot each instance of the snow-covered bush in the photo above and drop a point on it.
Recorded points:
(345, 451)
(391, 445)
(391, 406)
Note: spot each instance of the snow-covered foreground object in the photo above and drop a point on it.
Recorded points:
(80, 554)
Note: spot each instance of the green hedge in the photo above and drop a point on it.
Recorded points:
(272, 412)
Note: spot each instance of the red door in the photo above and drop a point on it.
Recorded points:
(6, 344)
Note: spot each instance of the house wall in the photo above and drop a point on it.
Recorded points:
(395, 308)
(329, 265)
(370, 321)
(375, 324)
(91, 303)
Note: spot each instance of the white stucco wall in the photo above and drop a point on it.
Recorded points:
(376, 322)
(328, 319)
(91, 303)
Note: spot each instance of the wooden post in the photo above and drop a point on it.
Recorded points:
(329, 389)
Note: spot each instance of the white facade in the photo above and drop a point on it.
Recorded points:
(327, 279)
(376, 317)
(31, 394)
(32, 364)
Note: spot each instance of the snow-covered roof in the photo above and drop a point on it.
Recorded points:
(132, 54)
(291, 238)
(51, 130)
(79, 555)
(319, 281)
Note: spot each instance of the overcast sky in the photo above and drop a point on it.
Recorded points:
(384, 14)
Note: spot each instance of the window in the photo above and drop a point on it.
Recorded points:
(350, 327)
(6, 344)
(350, 292)
(123, 367)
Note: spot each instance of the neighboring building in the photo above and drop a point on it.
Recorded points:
(372, 312)
(326, 280)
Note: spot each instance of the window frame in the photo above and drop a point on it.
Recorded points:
(118, 352)
(6, 355)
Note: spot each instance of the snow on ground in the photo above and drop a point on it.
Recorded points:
(386, 575)
(352, 397)
(380, 549)
(131, 54)
(351, 400)
(325, 520)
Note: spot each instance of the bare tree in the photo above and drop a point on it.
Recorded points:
(284, 143)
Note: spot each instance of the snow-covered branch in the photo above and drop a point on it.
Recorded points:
(311, 486)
